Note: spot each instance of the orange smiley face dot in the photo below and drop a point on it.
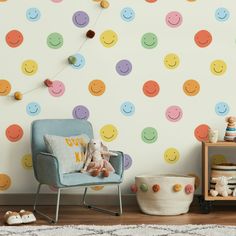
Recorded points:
(201, 133)
(191, 87)
(203, 38)
(97, 87)
(151, 88)
(5, 87)
(14, 133)
(5, 182)
(14, 38)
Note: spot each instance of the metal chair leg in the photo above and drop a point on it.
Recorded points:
(57, 207)
(84, 204)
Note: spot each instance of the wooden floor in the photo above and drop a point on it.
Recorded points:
(225, 215)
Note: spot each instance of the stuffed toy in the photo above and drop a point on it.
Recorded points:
(27, 217)
(15, 218)
(230, 133)
(221, 187)
(97, 159)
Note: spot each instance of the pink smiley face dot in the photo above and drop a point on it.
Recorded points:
(201, 133)
(174, 113)
(174, 19)
(57, 89)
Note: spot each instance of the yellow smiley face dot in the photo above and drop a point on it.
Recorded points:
(108, 133)
(26, 161)
(218, 67)
(171, 61)
(171, 155)
(5, 182)
(29, 67)
(108, 38)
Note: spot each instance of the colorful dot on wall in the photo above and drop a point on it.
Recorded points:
(14, 133)
(203, 38)
(174, 19)
(177, 187)
(197, 180)
(33, 109)
(149, 40)
(201, 133)
(80, 112)
(108, 38)
(5, 182)
(143, 187)
(189, 189)
(151, 88)
(149, 135)
(222, 14)
(80, 19)
(134, 188)
(127, 108)
(57, 89)
(151, 1)
(191, 87)
(26, 161)
(80, 61)
(123, 67)
(127, 14)
(127, 161)
(56, 1)
(174, 113)
(108, 133)
(97, 188)
(3, 0)
(171, 61)
(55, 40)
(222, 108)
(218, 159)
(33, 14)
(97, 87)
(156, 188)
(5, 87)
(29, 67)
(14, 38)
(171, 155)
(218, 67)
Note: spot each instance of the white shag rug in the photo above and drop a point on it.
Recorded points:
(120, 230)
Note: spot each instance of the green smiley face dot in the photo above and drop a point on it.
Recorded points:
(143, 187)
(149, 40)
(149, 135)
(55, 40)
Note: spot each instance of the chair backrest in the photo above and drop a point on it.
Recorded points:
(60, 127)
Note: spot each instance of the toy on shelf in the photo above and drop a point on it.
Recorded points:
(97, 159)
(221, 187)
(213, 135)
(230, 133)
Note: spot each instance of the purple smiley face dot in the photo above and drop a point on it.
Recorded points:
(123, 67)
(80, 112)
(80, 19)
(127, 161)
(174, 113)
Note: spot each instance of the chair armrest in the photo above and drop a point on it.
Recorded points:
(118, 163)
(47, 169)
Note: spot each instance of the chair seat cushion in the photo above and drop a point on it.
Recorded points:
(83, 179)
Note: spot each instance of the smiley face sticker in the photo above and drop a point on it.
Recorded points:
(201, 133)
(127, 14)
(171, 155)
(174, 19)
(108, 133)
(14, 38)
(222, 108)
(97, 87)
(222, 14)
(127, 108)
(57, 89)
(218, 67)
(80, 61)
(127, 161)
(174, 113)
(108, 38)
(33, 14)
(33, 109)
(171, 61)
(80, 19)
(80, 112)
(191, 87)
(149, 40)
(151, 88)
(203, 38)
(26, 162)
(55, 40)
(14, 133)
(5, 87)
(123, 67)
(149, 135)
(5, 182)
(29, 67)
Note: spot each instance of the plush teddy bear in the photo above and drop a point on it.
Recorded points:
(97, 159)
(221, 187)
(230, 133)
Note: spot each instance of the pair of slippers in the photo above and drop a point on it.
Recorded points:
(15, 218)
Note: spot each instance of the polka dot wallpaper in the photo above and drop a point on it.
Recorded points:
(152, 81)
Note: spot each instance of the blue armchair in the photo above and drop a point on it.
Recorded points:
(47, 169)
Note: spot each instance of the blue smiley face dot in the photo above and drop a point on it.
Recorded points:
(127, 108)
(222, 109)
(222, 14)
(80, 61)
(33, 109)
(127, 14)
(33, 14)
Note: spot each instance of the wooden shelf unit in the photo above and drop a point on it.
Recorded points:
(205, 171)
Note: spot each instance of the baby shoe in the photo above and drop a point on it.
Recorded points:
(12, 218)
(27, 217)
